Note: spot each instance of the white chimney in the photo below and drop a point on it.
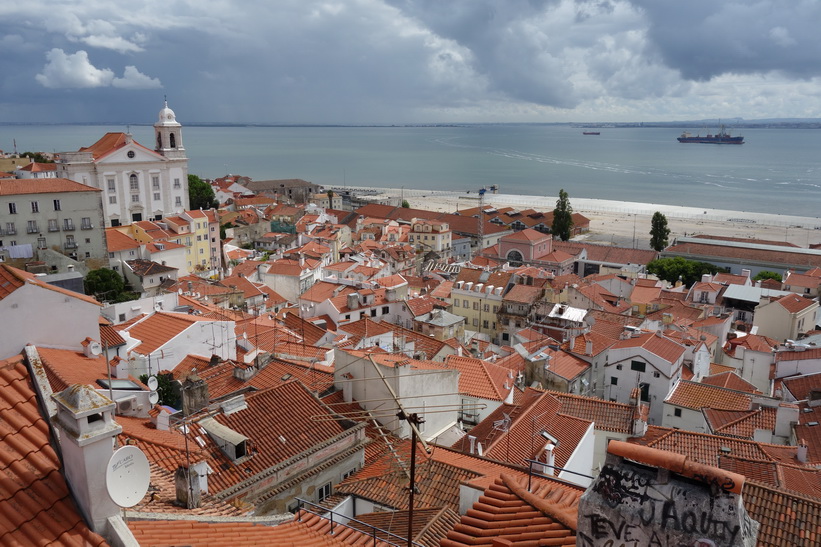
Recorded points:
(87, 431)
(472, 440)
(550, 460)
(801, 453)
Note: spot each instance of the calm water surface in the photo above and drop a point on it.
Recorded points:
(776, 170)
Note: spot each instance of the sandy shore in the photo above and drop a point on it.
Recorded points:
(625, 223)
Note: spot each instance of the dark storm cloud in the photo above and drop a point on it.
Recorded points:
(704, 38)
(387, 61)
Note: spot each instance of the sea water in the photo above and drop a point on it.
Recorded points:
(775, 171)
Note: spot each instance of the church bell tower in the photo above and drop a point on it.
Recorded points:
(168, 135)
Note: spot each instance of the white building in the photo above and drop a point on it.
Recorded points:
(137, 183)
(649, 362)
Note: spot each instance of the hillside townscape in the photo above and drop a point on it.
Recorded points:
(302, 365)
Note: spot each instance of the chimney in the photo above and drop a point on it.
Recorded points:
(472, 440)
(353, 300)
(588, 347)
(194, 394)
(550, 460)
(187, 483)
(87, 430)
(659, 494)
(801, 452)
(706, 278)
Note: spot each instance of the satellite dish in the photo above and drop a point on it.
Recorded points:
(153, 383)
(127, 476)
(153, 398)
(95, 348)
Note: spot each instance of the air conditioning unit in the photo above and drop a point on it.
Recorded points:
(126, 405)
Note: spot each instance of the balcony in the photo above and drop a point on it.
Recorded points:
(68, 227)
(69, 245)
(9, 232)
(53, 228)
(86, 226)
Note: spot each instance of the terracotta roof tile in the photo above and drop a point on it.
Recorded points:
(695, 395)
(730, 380)
(12, 187)
(507, 510)
(36, 507)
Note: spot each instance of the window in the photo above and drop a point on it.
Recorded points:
(348, 473)
(637, 366)
(465, 304)
(155, 183)
(456, 303)
(156, 196)
(385, 310)
(475, 305)
(323, 492)
(475, 322)
(70, 243)
(135, 198)
(53, 226)
(373, 310)
(199, 238)
(56, 204)
(656, 374)
(176, 183)
(68, 224)
(614, 381)
(31, 227)
(178, 201)
(41, 243)
(112, 199)
(202, 251)
(134, 183)
(12, 208)
(112, 185)
(677, 412)
(35, 207)
(85, 223)
(115, 222)
(618, 367)
(645, 392)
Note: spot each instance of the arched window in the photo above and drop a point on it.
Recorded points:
(173, 141)
(159, 141)
(133, 182)
(515, 258)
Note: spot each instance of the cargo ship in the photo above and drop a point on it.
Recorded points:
(722, 137)
(591, 133)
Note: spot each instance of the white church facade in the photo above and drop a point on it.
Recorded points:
(137, 183)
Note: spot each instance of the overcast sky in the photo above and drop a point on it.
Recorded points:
(409, 61)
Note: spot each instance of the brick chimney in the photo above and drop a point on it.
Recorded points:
(87, 430)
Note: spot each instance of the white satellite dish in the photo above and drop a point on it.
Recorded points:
(153, 398)
(95, 348)
(127, 476)
(153, 383)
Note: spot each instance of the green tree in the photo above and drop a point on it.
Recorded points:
(766, 274)
(36, 157)
(107, 285)
(659, 232)
(672, 268)
(165, 389)
(200, 194)
(405, 204)
(562, 217)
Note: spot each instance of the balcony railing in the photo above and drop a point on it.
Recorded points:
(69, 245)
(9, 232)
(86, 226)
(68, 227)
(32, 230)
(53, 228)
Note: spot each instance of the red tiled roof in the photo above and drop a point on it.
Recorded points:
(730, 380)
(695, 395)
(479, 378)
(12, 279)
(13, 187)
(117, 241)
(36, 507)
(159, 328)
(547, 515)
(740, 423)
(657, 345)
(794, 303)
(800, 386)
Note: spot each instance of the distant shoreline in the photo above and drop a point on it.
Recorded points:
(621, 223)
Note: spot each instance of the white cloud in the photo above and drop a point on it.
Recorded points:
(134, 79)
(66, 71)
(72, 71)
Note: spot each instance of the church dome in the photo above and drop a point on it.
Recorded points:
(167, 116)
